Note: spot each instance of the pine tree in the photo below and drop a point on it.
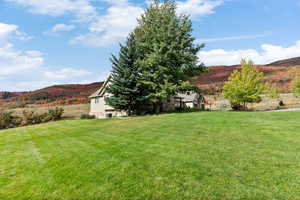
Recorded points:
(167, 55)
(125, 91)
(244, 86)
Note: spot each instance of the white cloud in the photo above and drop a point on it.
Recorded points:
(82, 9)
(121, 18)
(66, 73)
(198, 8)
(16, 62)
(109, 28)
(34, 53)
(26, 70)
(269, 53)
(112, 27)
(10, 31)
(7, 29)
(241, 37)
(62, 27)
(56, 29)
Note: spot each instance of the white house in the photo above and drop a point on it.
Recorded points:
(100, 109)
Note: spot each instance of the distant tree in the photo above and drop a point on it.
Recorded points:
(295, 86)
(7, 95)
(126, 93)
(244, 86)
(167, 54)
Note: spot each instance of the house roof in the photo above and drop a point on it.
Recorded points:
(100, 92)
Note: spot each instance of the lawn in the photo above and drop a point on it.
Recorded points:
(202, 155)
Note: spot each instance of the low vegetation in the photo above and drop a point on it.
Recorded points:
(87, 116)
(9, 120)
(201, 155)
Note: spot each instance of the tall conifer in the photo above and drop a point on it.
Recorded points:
(124, 89)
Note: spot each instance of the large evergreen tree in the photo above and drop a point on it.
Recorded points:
(125, 91)
(167, 55)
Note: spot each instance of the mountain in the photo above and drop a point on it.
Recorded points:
(287, 62)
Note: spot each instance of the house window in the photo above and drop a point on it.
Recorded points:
(188, 93)
(97, 100)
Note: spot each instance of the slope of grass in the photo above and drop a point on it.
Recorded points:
(206, 155)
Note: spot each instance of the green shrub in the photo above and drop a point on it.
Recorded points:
(7, 120)
(187, 109)
(87, 116)
(30, 118)
(56, 113)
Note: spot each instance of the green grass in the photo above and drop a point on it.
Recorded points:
(203, 155)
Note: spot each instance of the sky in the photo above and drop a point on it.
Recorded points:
(47, 42)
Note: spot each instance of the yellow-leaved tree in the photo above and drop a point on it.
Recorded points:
(295, 85)
(244, 86)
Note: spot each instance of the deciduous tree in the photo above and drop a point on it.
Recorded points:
(295, 86)
(244, 86)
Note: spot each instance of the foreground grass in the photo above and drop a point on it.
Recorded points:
(206, 155)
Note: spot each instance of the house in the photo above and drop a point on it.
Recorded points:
(101, 109)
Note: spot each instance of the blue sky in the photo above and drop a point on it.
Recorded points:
(45, 42)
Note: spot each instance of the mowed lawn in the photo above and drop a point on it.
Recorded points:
(202, 155)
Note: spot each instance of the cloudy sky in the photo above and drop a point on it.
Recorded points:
(45, 42)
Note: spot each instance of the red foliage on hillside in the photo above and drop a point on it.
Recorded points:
(56, 95)
(214, 80)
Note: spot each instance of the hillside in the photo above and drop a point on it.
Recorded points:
(77, 93)
(202, 155)
(279, 73)
(287, 62)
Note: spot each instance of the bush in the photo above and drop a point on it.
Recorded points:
(237, 107)
(87, 116)
(187, 110)
(56, 113)
(7, 120)
(30, 117)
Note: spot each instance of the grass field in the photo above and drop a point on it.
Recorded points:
(202, 155)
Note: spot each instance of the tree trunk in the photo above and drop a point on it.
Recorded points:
(157, 107)
(245, 106)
